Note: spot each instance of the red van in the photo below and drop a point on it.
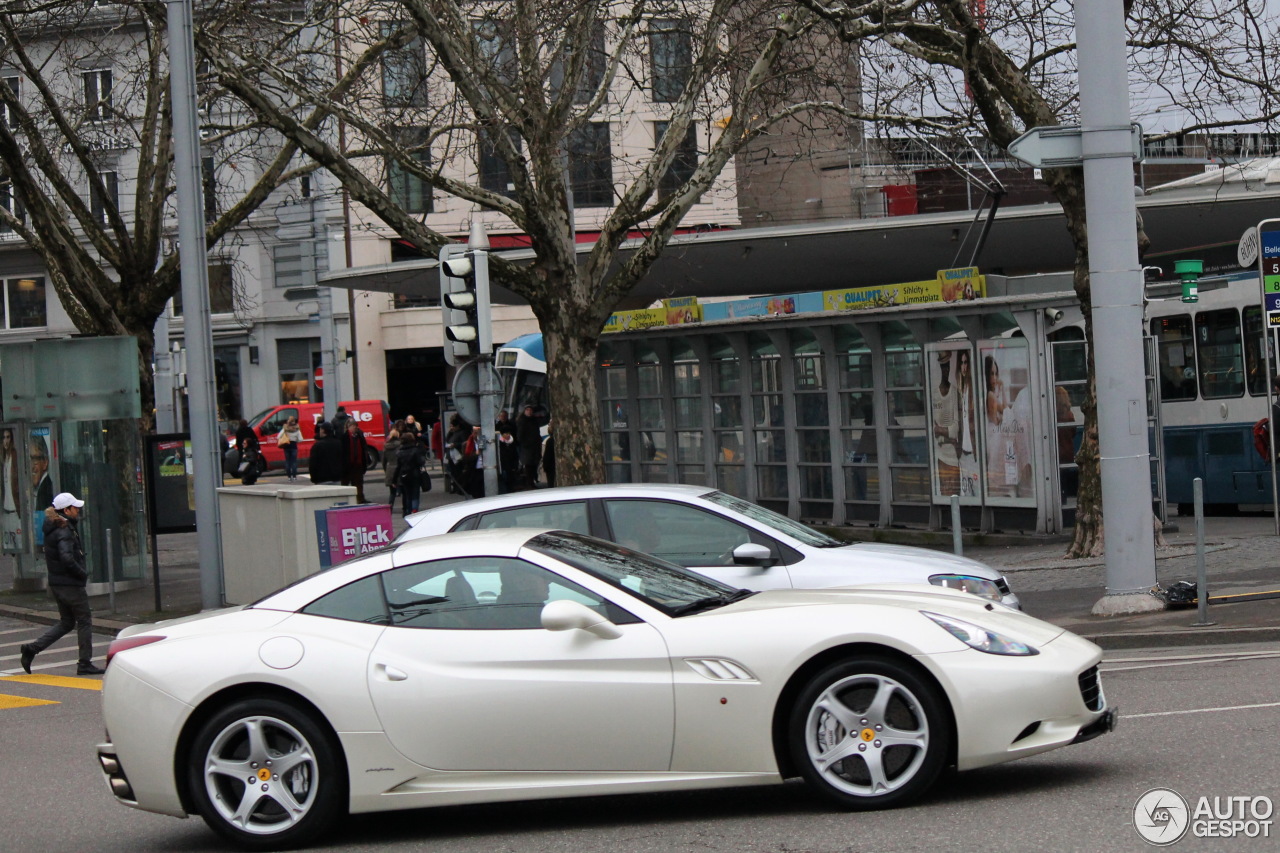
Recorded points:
(373, 416)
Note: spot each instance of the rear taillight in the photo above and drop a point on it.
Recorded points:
(126, 643)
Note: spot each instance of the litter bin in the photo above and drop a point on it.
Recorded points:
(345, 532)
(268, 535)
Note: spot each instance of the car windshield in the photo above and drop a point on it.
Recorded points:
(777, 521)
(674, 590)
(260, 417)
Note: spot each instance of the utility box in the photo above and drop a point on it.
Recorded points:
(268, 535)
(346, 532)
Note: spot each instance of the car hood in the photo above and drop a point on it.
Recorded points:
(938, 562)
(907, 597)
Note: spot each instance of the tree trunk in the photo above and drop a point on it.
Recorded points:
(571, 382)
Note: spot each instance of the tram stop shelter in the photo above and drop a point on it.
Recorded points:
(70, 424)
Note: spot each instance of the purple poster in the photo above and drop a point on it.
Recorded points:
(349, 531)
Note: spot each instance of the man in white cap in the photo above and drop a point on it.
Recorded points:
(64, 558)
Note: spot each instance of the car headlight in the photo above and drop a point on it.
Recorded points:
(969, 583)
(979, 638)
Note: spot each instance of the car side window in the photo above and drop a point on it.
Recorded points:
(276, 422)
(482, 594)
(679, 533)
(570, 515)
(359, 601)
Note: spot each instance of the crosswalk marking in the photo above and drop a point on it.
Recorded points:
(7, 702)
(80, 683)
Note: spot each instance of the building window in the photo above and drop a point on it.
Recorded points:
(10, 201)
(221, 289)
(591, 166)
(593, 69)
(670, 58)
(23, 304)
(104, 196)
(495, 172)
(404, 71)
(296, 360)
(97, 95)
(209, 186)
(408, 190)
(496, 47)
(6, 113)
(684, 163)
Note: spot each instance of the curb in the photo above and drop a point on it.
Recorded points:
(1210, 636)
(110, 627)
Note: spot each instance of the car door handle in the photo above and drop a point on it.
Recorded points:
(391, 673)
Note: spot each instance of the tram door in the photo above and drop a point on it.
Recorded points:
(1155, 429)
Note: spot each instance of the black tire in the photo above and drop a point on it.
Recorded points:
(225, 776)
(837, 716)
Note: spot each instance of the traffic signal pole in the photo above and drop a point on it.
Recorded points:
(478, 245)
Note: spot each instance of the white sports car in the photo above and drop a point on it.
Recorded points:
(521, 664)
(716, 534)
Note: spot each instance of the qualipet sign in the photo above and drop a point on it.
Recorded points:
(346, 532)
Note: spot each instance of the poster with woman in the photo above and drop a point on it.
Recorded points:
(955, 444)
(11, 540)
(1008, 471)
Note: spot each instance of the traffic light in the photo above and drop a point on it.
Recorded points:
(458, 309)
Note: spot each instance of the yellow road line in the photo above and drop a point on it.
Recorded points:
(57, 681)
(7, 702)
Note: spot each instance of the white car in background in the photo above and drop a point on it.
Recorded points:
(518, 665)
(724, 537)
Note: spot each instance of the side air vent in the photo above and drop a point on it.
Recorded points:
(719, 669)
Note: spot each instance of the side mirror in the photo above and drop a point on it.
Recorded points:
(752, 554)
(565, 615)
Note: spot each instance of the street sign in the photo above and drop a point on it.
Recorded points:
(1247, 248)
(1056, 147)
(466, 388)
(319, 377)
(1268, 240)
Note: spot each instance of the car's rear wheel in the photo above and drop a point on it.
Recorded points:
(870, 733)
(266, 775)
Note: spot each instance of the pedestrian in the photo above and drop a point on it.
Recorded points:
(529, 442)
(64, 560)
(411, 424)
(437, 440)
(473, 464)
(549, 457)
(244, 433)
(355, 459)
(508, 463)
(339, 422)
(454, 440)
(288, 440)
(325, 465)
(391, 464)
(411, 461)
(504, 423)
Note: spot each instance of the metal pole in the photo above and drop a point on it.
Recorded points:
(1116, 282)
(155, 570)
(163, 358)
(957, 541)
(1202, 582)
(196, 327)
(478, 244)
(111, 571)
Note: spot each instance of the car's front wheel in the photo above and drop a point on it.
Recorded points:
(265, 775)
(870, 733)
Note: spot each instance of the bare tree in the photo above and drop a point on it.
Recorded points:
(998, 69)
(525, 114)
(87, 159)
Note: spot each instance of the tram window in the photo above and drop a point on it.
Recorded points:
(1220, 354)
(1254, 368)
(1177, 357)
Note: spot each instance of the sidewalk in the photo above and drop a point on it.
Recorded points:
(1242, 556)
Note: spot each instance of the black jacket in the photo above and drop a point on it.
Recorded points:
(63, 551)
(325, 463)
(409, 461)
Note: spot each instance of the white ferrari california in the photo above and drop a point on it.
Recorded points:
(521, 664)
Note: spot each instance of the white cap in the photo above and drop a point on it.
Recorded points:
(62, 500)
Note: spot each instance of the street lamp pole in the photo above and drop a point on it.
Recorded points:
(197, 331)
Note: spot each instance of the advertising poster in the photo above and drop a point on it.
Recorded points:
(955, 445)
(948, 284)
(40, 449)
(349, 531)
(171, 483)
(961, 284)
(11, 515)
(1008, 465)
